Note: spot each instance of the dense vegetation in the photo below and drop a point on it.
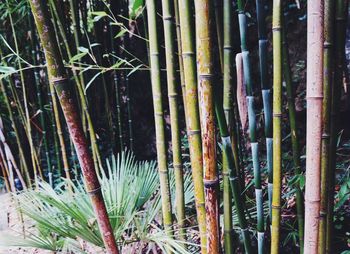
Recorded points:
(242, 104)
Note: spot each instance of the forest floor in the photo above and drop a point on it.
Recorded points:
(9, 225)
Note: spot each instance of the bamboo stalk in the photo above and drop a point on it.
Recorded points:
(57, 76)
(193, 123)
(314, 95)
(158, 115)
(229, 98)
(231, 174)
(36, 168)
(5, 174)
(341, 8)
(34, 42)
(92, 135)
(17, 136)
(326, 106)
(266, 92)
(180, 61)
(60, 133)
(227, 107)
(117, 92)
(252, 127)
(294, 138)
(169, 35)
(204, 41)
(277, 122)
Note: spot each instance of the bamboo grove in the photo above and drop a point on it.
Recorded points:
(212, 90)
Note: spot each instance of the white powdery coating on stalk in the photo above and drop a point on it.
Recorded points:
(261, 242)
(259, 203)
(255, 154)
(226, 141)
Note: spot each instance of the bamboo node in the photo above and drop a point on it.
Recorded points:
(177, 166)
(277, 114)
(187, 54)
(173, 95)
(94, 191)
(193, 132)
(210, 183)
(208, 76)
(168, 18)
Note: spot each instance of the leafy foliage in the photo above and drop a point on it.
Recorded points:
(130, 189)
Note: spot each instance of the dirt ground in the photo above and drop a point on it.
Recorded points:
(9, 225)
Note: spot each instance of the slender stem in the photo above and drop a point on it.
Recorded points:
(193, 123)
(341, 12)
(295, 139)
(179, 49)
(277, 122)
(158, 115)
(266, 91)
(326, 107)
(169, 35)
(36, 168)
(252, 128)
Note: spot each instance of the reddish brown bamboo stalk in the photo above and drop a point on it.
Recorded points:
(57, 76)
(314, 93)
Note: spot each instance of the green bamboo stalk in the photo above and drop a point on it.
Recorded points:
(55, 141)
(294, 137)
(277, 125)
(117, 91)
(314, 95)
(169, 36)
(80, 87)
(341, 8)
(218, 10)
(126, 77)
(62, 144)
(180, 61)
(34, 45)
(22, 117)
(193, 123)
(158, 115)
(205, 70)
(228, 72)
(57, 76)
(229, 170)
(129, 111)
(229, 98)
(17, 136)
(326, 106)
(266, 91)
(36, 168)
(252, 127)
